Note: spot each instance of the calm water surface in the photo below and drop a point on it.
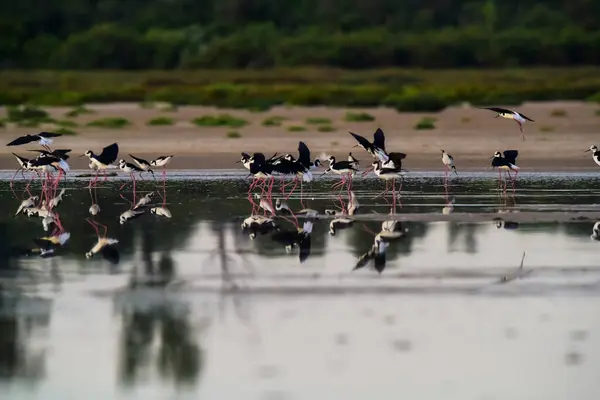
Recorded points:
(194, 308)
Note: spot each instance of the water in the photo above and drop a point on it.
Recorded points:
(196, 309)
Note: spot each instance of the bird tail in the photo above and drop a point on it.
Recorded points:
(514, 167)
(307, 176)
(64, 166)
(454, 169)
(307, 227)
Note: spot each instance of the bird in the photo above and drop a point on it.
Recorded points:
(43, 138)
(340, 167)
(353, 160)
(258, 224)
(299, 238)
(130, 169)
(162, 162)
(339, 223)
(130, 215)
(23, 167)
(143, 164)
(55, 201)
(53, 241)
(388, 174)
(596, 232)
(282, 206)
(448, 161)
(595, 153)
(373, 148)
(519, 118)
(145, 200)
(506, 163)
(162, 211)
(103, 161)
(27, 203)
(391, 230)
(59, 153)
(377, 253)
(104, 245)
(245, 160)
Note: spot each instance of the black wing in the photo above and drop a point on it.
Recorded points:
(364, 143)
(304, 153)
(379, 139)
(22, 160)
(511, 156)
(500, 162)
(344, 165)
(141, 161)
(274, 157)
(134, 167)
(49, 134)
(379, 261)
(304, 246)
(259, 158)
(245, 155)
(526, 117)
(497, 109)
(109, 154)
(23, 140)
(46, 152)
(44, 161)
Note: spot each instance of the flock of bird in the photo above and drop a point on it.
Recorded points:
(50, 166)
(385, 165)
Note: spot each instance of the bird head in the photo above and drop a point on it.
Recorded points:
(88, 153)
(89, 255)
(496, 155)
(317, 163)
(121, 162)
(592, 148)
(153, 163)
(153, 210)
(442, 151)
(331, 159)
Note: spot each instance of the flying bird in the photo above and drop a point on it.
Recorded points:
(43, 138)
(519, 118)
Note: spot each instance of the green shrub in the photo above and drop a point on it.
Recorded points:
(233, 135)
(220, 120)
(77, 111)
(2, 122)
(425, 123)
(546, 128)
(148, 105)
(296, 128)
(110, 123)
(160, 121)
(273, 121)
(558, 113)
(65, 123)
(318, 121)
(325, 128)
(598, 112)
(358, 117)
(65, 131)
(416, 101)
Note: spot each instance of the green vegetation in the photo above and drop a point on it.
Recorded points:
(111, 34)
(546, 128)
(273, 121)
(65, 123)
(296, 128)
(325, 128)
(425, 123)
(27, 116)
(558, 113)
(160, 121)
(2, 122)
(77, 111)
(65, 131)
(233, 135)
(403, 89)
(358, 117)
(465, 120)
(598, 112)
(318, 121)
(110, 123)
(220, 120)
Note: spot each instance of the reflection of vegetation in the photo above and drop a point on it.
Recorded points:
(179, 358)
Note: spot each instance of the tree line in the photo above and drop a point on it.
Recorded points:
(169, 34)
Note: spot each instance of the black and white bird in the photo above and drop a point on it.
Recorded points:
(595, 153)
(596, 232)
(506, 162)
(448, 161)
(143, 164)
(351, 159)
(340, 167)
(257, 224)
(161, 161)
(519, 118)
(339, 223)
(45, 139)
(104, 160)
(391, 230)
(161, 211)
(374, 148)
(63, 154)
(129, 168)
(130, 215)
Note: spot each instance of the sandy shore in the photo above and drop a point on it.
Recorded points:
(555, 142)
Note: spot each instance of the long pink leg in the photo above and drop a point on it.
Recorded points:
(293, 188)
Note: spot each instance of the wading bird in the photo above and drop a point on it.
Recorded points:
(130, 169)
(388, 174)
(448, 161)
(595, 153)
(143, 164)
(103, 161)
(506, 163)
(519, 118)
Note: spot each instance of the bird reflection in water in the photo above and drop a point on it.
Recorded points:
(596, 232)
(300, 237)
(342, 218)
(104, 245)
(391, 231)
(517, 274)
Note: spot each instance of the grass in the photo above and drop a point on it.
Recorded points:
(465, 120)
(160, 121)
(558, 113)
(110, 123)
(77, 111)
(273, 121)
(147, 105)
(220, 120)
(598, 113)
(318, 121)
(2, 122)
(296, 128)
(425, 123)
(65, 131)
(170, 107)
(326, 128)
(233, 135)
(546, 128)
(425, 90)
(358, 117)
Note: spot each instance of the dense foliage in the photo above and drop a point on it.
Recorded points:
(167, 34)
